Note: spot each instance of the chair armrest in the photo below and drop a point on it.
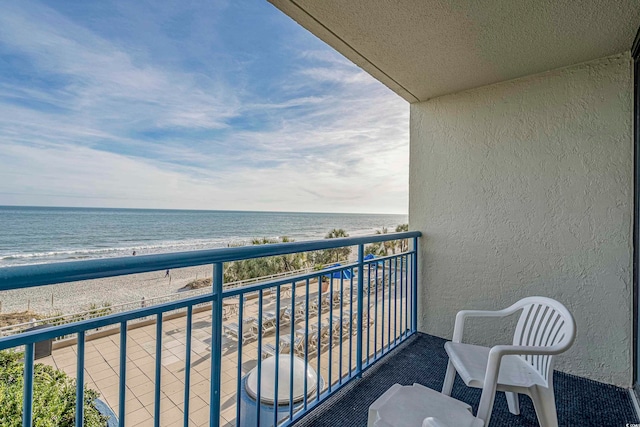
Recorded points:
(493, 367)
(462, 315)
(504, 350)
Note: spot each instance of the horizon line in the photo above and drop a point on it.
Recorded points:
(200, 210)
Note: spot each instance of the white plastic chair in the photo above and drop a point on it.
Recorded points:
(545, 328)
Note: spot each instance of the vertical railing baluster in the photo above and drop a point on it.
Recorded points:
(123, 374)
(375, 325)
(187, 366)
(27, 398)
(292, 330)
(216, 345)
(368, 310)
(360, 308)
(401, 334)
(80, 381)
(240, 342)
(395, 302)
(318, 342)
(382, 299)
(414, 286)
(391, 275)
(331, 328)
(351, 323)
(306, 341)
(341, 327)
(258, 392)
(158, 374)
(276, 374)
(406, 295)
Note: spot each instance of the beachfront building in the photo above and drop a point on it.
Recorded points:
(523, 181)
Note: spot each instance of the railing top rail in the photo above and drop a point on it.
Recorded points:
(49, 274)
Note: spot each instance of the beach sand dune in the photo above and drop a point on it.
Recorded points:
(73, 297)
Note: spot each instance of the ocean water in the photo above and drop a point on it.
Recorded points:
(36, 235)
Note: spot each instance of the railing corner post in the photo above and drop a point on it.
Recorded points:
(216, 344)
(360, 308)
(414, 286)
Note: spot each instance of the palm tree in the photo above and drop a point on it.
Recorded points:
(404, 243)
(266, 266)
(335, 233)
(336, 253)
(388, 245)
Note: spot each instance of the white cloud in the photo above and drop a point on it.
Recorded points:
(333, 139)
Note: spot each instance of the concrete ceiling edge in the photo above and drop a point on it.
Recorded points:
(304, 19)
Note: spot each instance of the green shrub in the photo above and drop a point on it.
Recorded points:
(54, 396)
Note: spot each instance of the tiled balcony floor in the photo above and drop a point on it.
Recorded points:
(422, 359)
(102, 363)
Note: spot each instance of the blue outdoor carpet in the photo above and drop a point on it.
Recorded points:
(580, 402)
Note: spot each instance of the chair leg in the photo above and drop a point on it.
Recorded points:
(545, 405)
(448, 379)
(513, 402)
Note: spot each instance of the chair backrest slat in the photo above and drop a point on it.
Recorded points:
(543, 323)
(541, 337)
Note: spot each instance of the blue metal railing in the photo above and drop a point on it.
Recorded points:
(374, 313)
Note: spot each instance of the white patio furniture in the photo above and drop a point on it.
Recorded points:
(327, 300)
(229, 307)
(314, 344)
(285, 345)
(545, 328)
(323, 336)
(248, 329)
(298, 313)
(352, 316)
(268, 322)
(417, 405)
(284, 314)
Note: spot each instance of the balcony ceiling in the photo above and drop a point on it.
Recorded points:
(427, 48)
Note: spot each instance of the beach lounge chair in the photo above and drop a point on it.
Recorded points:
(298, 313)
(249, 331)
(320, 341)
(352, 316)
(268, 322)
(229, 307)
(312, 338)
(285, 346)
(326, 300)
(285, 316)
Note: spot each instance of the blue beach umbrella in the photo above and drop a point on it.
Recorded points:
(346, 274)
(372, 256)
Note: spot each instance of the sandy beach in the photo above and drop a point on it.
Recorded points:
(75, 296)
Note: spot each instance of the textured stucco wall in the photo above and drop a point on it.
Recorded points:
(525, 188)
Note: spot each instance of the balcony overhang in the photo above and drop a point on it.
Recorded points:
(422, 49)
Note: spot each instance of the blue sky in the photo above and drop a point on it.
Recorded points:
(190, 104)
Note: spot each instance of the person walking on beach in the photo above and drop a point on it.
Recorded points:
(167, 273)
